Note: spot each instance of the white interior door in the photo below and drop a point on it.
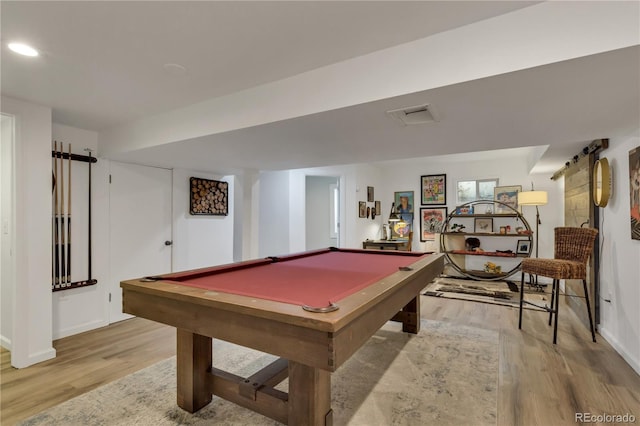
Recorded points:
(140, 227)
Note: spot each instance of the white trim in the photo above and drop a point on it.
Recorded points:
(608, 336)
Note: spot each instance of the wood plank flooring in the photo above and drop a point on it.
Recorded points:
(538, 383)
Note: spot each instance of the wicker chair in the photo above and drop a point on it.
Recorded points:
(573, 246)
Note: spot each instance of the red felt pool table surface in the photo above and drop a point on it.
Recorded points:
(314, 278)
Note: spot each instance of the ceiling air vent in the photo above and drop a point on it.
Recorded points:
(414, 115)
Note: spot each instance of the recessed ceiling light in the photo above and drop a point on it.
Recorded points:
(23, 49)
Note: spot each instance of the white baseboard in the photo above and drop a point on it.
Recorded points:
(81, 328)
(5, 342)
(634, 363)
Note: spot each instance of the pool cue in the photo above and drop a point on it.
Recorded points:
(56, 255)
(69, 222)
(62, 227)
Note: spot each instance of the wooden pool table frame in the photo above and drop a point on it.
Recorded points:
(311, 345)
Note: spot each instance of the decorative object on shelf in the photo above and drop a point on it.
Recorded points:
(464, 210)
(492, 268)
(433, 189)
(456, 227)
(602, 182)
(370, 194)
(534, 198)
(483, 224)
(466, 259)
(431, 221)
(508, 197)
(523, 247)
(472, 243)
(503, 230)
(208, 197)
(362, 209)
(634, 193)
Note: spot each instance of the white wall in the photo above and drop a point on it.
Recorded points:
(200, 241)
(273, 226)
(7, 248)
(32, 332)
(85, 308)
(620, 259)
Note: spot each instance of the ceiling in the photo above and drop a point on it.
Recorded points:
(102, 65)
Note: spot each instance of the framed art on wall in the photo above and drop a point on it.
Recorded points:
(404, 205)
(433, 189)
(370, 194)
(634, 192)
(507, 195)
(362, 209)
(431, 221)
(208, 197)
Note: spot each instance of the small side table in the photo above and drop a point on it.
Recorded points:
(385, 245)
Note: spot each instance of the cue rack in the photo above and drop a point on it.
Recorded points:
(61, 232)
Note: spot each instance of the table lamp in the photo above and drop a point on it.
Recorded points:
(393, 217)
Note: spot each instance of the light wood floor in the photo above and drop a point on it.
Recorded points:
(538, 383)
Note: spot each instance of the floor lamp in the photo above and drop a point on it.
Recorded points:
(534, 198)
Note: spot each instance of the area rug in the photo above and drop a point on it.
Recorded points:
(505, 293)
(445, 375)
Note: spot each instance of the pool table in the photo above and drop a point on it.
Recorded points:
(312, 309)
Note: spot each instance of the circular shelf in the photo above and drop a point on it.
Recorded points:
(484, 209)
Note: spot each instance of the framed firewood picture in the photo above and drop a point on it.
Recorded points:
(208, 197)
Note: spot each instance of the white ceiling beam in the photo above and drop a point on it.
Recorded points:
(538, 35)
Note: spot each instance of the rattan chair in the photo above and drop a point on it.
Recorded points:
(573, 246)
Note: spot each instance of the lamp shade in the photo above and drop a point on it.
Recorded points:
(532, 198)
(393, 216)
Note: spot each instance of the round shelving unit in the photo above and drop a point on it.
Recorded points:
(488, 231)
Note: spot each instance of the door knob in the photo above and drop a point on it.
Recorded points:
(168, 243)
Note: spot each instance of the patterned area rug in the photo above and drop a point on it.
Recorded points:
(505, 293)
(445, 375)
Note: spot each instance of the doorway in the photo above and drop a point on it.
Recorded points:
(140, 207)
(322, 212)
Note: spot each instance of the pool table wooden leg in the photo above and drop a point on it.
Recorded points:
(193, 365)
(309, 396)
(409, 316)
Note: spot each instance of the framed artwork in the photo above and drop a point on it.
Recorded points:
(523, 247)
(433, 189)
(404, 205)
(483, 224)
(370, 194)
(431, 222)
(208, 197)
(634, 192)
(362, 209)
(400, 230)
(378, 208)
(507, 195)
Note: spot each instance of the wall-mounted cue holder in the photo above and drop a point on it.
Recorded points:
(61, 218)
